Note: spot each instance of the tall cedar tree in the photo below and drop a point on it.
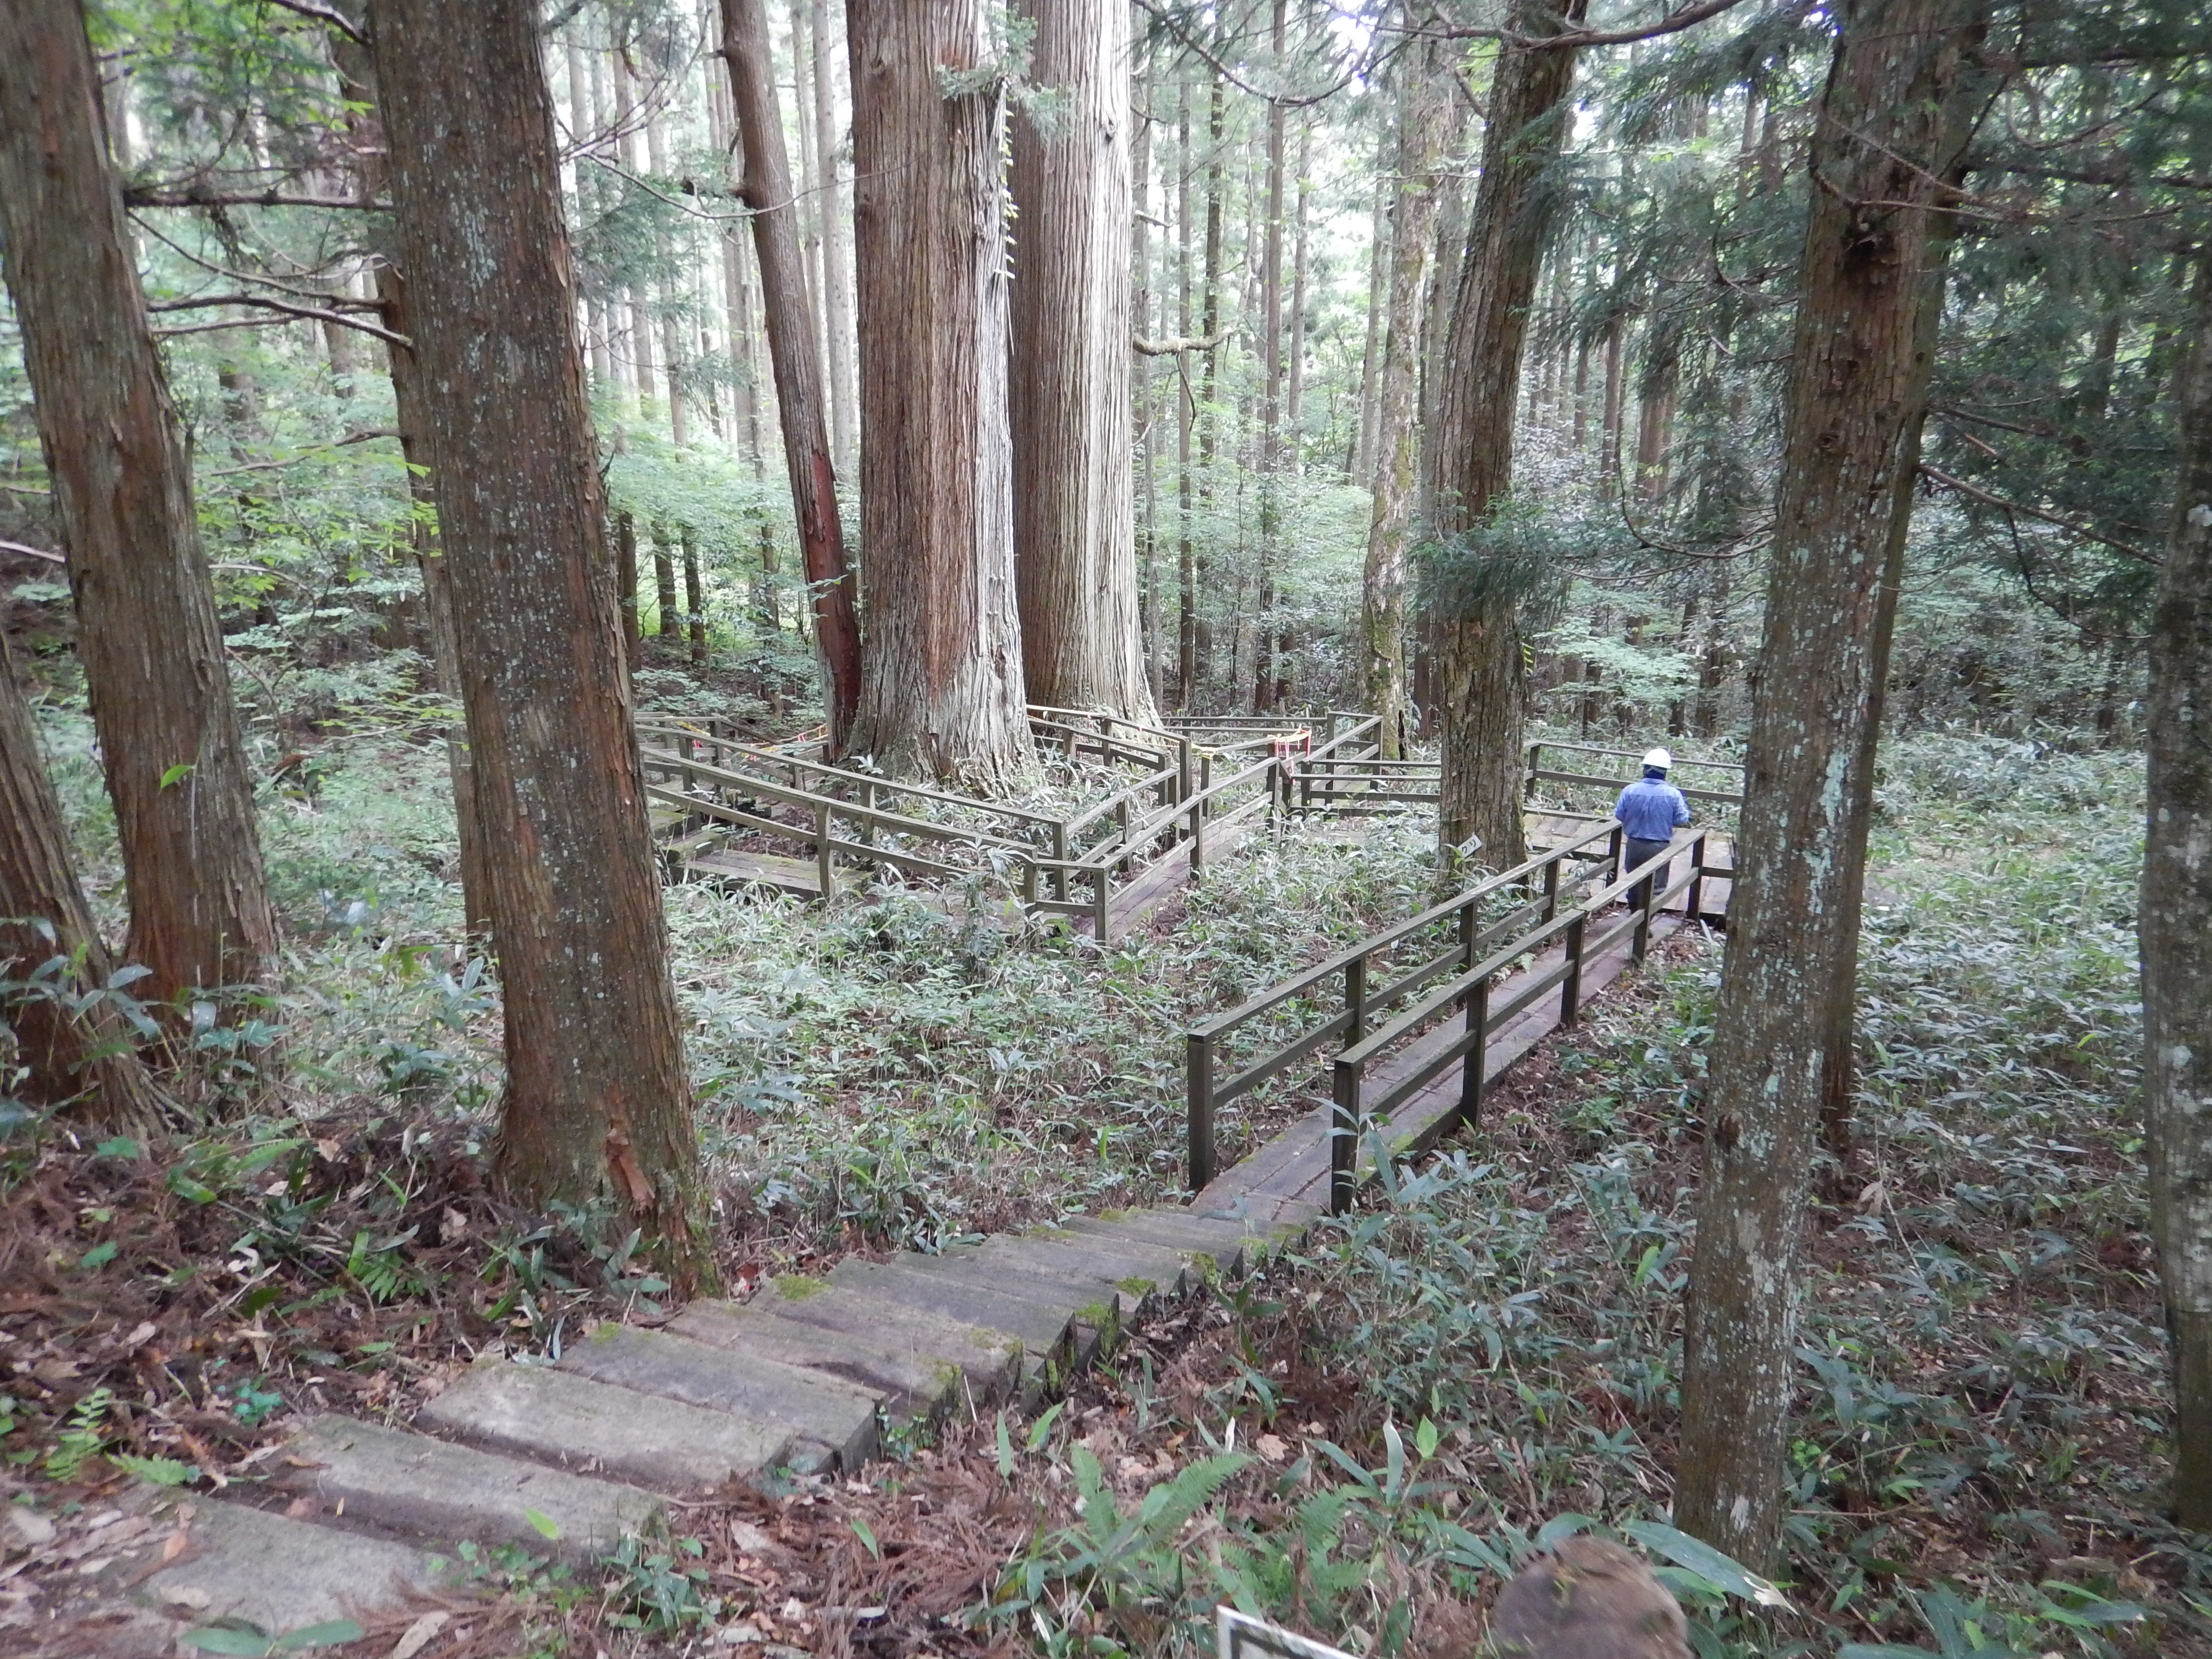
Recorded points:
(365, 130)
(86, 1060)
(1427, 124)
(942, 691)
(597, 1108)
(795, 355)
(1477, 615)
(122, 488)
(2176, 922)
(1890, 139)
(1075, 561)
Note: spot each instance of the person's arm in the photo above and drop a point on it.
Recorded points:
(1681, 809)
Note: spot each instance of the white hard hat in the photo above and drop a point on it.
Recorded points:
(1660, 758)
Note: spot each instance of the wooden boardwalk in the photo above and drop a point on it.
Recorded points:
(565, 1454)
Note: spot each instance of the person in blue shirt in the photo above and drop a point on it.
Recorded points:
(1650, 811)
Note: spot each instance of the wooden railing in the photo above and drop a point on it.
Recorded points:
(1724, 789)
(1371, 983)
(1073, 865)
(1470, 989)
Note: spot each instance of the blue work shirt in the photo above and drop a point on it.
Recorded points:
(1651, 809)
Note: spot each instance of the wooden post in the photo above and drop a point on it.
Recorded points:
(1644, 898)
(1060, 859)
(1551, 886)
(1612, 852)
(825, 860)
(1200, 806)
(1571, 993)
(1472, 1073)
(1198, 1071)
(868, 828)
(1529, 786)
(1693, 903)
(1343, 1136)
(1102, 899)
(1355, 999)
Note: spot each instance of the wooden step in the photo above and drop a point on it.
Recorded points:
(1044, 1330)
(1096, 1304)
(1123, 1262)
(570, 1421)
(431, 1489)
(1226, 1245)
(913, 1377)
(811, 1408)
(994, 1361)
(222, 1569)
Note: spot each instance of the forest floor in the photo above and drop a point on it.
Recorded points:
(1359, 1443)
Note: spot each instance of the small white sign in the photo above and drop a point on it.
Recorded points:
(1239, 1637)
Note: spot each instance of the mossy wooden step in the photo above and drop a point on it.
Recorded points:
(916, 1375)
(810, 1408)
(1137, 1267)
(1226, 1245)
(1044, 1328)
(559, 1418)
(1097, 1306)
(444, 1494)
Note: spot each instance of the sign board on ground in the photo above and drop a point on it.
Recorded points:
(1237, 1636)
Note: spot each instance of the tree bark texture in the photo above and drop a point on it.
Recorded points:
(795, 358)
(153, 653)
(1426, 106)
(1271, 390)
(357, 79)
(86, 1060)
(598, 1110)
(943, 695)
(2176, 923)
(1479, 642)
(1075, 562)
(1889, 135)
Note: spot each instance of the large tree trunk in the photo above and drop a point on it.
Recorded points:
(598, 1110)
(1427, 110)
(86, 1059)
(1477, 621)
(1888, 140)
(796, 358)
(1074, 556)
(1270, 527)
(147, 631)
(943, 695)
(2176, 922)
(357, 78)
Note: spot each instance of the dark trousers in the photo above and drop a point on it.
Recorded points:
(1633, 853)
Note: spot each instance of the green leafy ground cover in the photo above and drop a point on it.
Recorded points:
(1362, 1443)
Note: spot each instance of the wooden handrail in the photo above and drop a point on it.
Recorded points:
(1471, 991)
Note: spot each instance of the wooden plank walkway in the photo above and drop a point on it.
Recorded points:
(626, 1424)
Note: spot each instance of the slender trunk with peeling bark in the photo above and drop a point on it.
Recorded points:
(1074, 556)
(1478, 635)
(598, 1109)
(153, 653)
(1890, 136)
(85, 1060)
(2176, 924)
(943, 695)
(837, 281)
(795, 357)
(1427, 109)
(1270, 526)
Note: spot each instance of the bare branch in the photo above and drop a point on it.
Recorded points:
(1673, 23)
(146, 196)
(1937, 476)
(34, 552)
(322, 15)
(311, 314)
(1170, 348)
